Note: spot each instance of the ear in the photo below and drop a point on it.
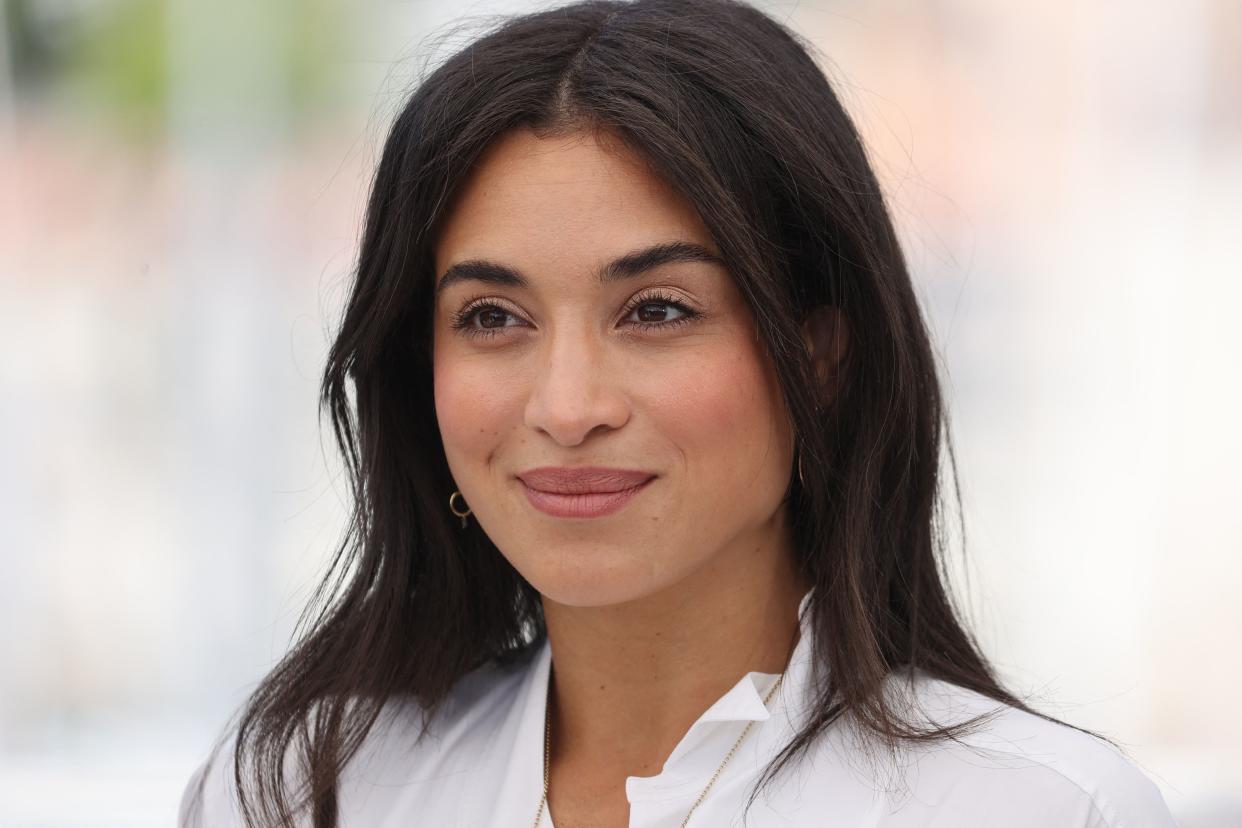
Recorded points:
(826, 334)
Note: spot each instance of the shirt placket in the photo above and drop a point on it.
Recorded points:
(662, 801)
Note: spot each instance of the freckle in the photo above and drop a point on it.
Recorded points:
(601, 687)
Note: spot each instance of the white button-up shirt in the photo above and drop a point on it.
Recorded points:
(481, 765)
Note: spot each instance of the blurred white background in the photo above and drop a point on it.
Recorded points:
(181, 186)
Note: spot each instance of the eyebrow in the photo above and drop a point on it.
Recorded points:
(631, 264)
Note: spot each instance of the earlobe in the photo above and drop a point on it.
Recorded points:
(826, 334)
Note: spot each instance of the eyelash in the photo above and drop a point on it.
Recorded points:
(462, 320)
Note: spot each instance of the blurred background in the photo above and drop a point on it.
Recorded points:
(181, 186)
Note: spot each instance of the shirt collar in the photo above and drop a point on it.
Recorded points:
(744, 701)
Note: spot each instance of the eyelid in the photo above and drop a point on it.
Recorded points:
(481, 301)
(658, 296)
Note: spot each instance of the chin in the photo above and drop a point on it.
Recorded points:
(583, 578)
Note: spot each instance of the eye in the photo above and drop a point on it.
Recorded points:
(490, 316)
(484, 318)
(653, 310)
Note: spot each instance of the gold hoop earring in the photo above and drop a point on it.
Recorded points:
(453, 509)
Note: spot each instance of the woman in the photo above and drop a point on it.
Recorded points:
(644, 427)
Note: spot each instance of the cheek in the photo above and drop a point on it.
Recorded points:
(470, 408)
(724, 411)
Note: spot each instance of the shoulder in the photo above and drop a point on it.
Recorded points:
(403, 748)
(210, 795)
(407, 748)
(1014, 768)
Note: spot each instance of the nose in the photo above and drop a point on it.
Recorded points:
(576, 390)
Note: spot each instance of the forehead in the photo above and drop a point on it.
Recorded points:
(566, 201)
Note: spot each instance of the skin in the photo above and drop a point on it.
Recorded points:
(655, 611)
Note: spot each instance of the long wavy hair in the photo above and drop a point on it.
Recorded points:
(730, 107)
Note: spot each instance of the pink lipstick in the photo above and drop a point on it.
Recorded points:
(583, 491)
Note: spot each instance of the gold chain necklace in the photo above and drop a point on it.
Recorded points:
(547, 749)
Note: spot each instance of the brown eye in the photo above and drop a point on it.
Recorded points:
(653, 311)
(483, 319)
(492, 318)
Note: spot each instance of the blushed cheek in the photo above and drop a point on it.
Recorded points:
(467, 418)
(717, 410)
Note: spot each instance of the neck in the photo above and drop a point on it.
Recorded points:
(629, 679)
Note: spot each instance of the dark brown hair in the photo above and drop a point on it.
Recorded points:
(729, 106)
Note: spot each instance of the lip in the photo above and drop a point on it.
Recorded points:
(582, 492)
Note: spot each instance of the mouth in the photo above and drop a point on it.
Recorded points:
(589, 492)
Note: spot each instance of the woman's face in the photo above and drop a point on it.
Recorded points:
(654, 369)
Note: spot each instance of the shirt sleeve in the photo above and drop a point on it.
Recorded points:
(1125, 797)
